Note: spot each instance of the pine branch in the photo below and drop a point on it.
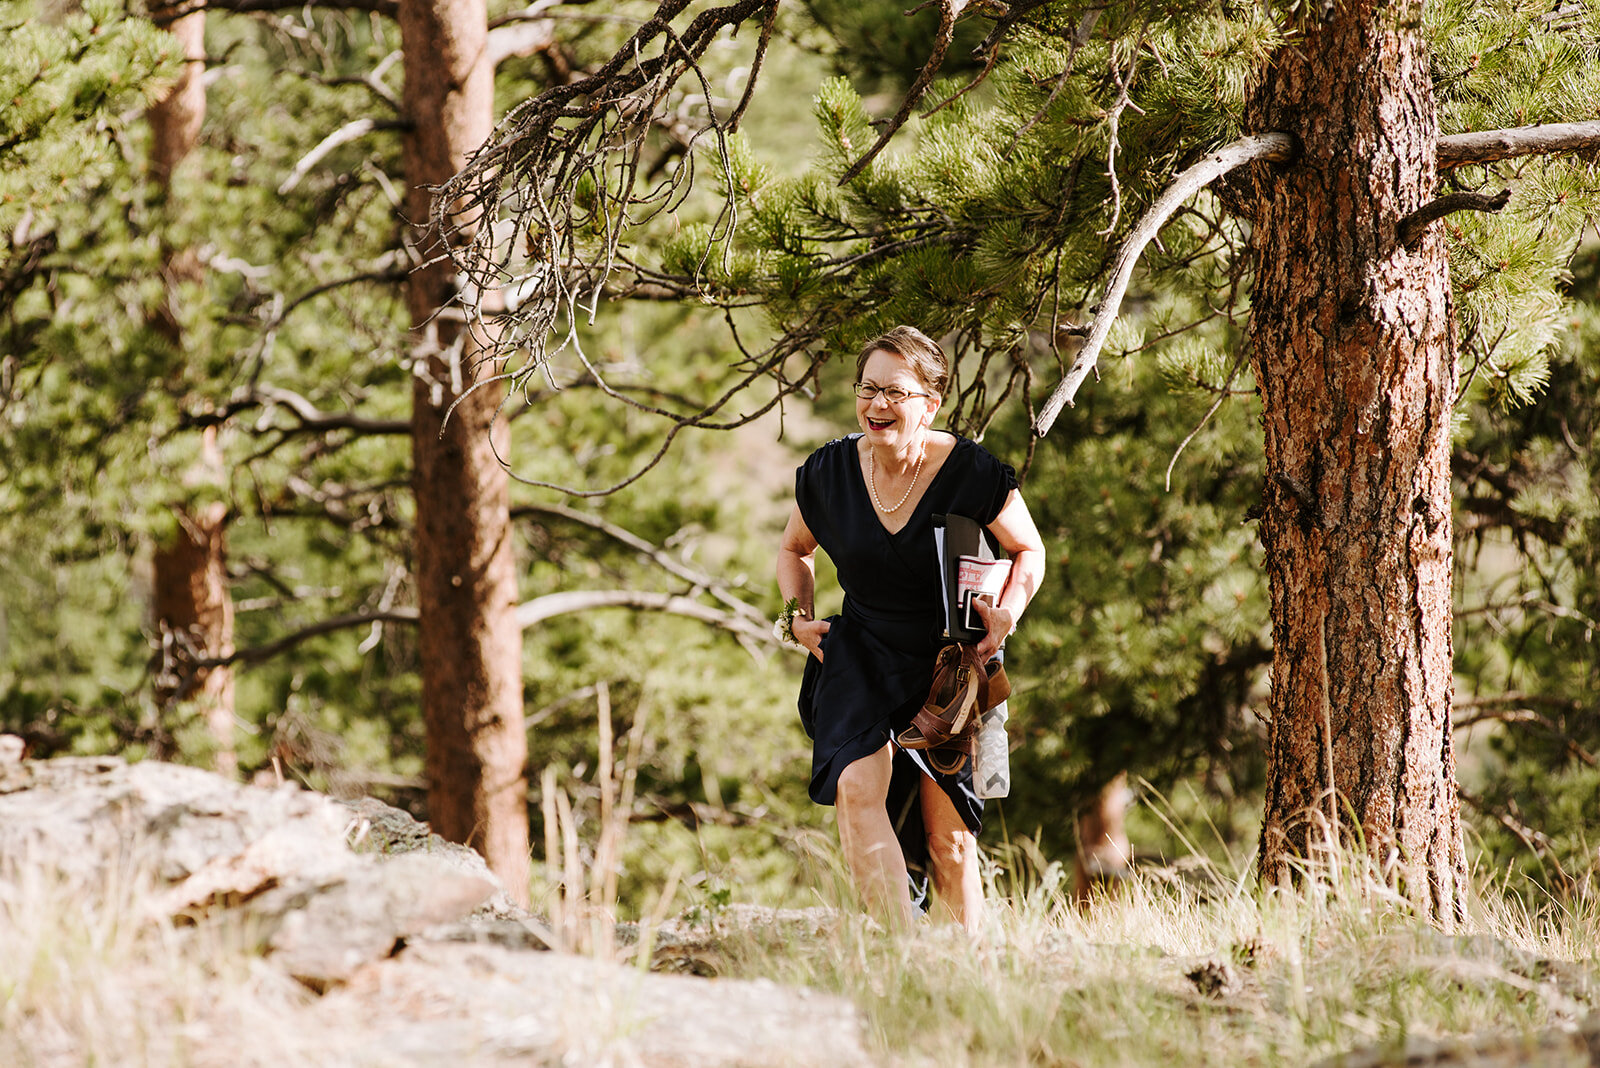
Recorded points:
(1536, 840)
(517, 39)
(1272, 146)
(171, 13)
(654, 553)
(1549, 139)
(531, 613)
(310, 418)
(1529, 716)
(528, 614)
(350, 131)
(256, 654)
(1516, 697)
(313, 419)
(1410, 229)
(949, 11)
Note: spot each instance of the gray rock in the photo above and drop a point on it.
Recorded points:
(213, 846)
(84, 816)
(323, 936)
(486, 1005)
(418, 959)
(389, 831)
(1556, 1047)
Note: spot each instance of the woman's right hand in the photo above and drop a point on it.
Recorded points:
(809, 632)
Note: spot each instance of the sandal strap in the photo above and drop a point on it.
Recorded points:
(999, 686)
(963, 689)
(949, 758)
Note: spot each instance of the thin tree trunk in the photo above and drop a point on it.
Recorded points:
(1354, 348)
(195, 614)
(1104, 853)
(175, 121)
(469, 640)
(193, 605)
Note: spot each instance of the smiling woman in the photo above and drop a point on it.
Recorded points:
(870, 501)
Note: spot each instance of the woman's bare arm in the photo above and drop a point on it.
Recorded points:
(1019, 537)
(797, 580)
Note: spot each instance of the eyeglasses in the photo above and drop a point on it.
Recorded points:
(892, 394)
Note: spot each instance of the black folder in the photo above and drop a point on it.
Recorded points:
(956, 536)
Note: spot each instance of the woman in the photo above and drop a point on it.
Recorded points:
(868, 501)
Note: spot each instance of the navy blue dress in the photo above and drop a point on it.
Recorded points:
(880, 649)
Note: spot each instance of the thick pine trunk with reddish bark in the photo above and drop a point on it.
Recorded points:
(469, 641)
(192, 603)
(1353, 346)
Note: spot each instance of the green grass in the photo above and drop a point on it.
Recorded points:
(1183, 969)
(1290, 978)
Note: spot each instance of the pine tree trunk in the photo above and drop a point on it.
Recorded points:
(470, 644)
(175, 121)
(193, 605)
(1104, 853)
(194, 612)
(1353, 346)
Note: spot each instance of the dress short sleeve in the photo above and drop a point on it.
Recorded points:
(817, 487)
(808, 487)
(1002, 477)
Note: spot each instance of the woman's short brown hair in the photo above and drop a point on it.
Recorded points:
(928, 361)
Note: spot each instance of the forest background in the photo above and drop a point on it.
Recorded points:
(238, 346)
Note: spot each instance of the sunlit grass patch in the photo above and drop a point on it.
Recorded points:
(89, 975)
(1205, 969)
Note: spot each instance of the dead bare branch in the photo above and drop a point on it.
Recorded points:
(1272, 146)
(170, 13)
(654, 553)
(522, 38)
(350, 131)
(1488, 146)
(1536, 840)
(540, 609)
(1536, 719)
(1411, 228)
(949, 12)
(528, 614)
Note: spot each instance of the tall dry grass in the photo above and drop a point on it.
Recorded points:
(90, 975)
(1200, 966)
(1193, 965)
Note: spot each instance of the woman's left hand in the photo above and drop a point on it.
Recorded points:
(1000, 623)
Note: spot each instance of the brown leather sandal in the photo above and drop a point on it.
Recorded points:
(948, 719)
(947, 759)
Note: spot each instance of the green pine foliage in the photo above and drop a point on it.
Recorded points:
(1502, 65)
(989, 219)
(997, 212)
(1528, 609)
(71, 80)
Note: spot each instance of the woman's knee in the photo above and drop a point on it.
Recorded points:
(856, 798)
(951, 853)
(862, 785)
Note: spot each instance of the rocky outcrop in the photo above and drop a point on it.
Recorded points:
(1575, 1047)
(407, 939)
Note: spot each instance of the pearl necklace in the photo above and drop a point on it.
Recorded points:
(872, 481)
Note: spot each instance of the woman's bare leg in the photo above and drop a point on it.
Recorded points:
(953, 851)
(877, 864)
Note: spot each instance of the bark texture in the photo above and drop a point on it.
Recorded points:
(194, 614)
(469, 640)
(175, 121)
(193, 605)
(1104, 853)
(1353, 346)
